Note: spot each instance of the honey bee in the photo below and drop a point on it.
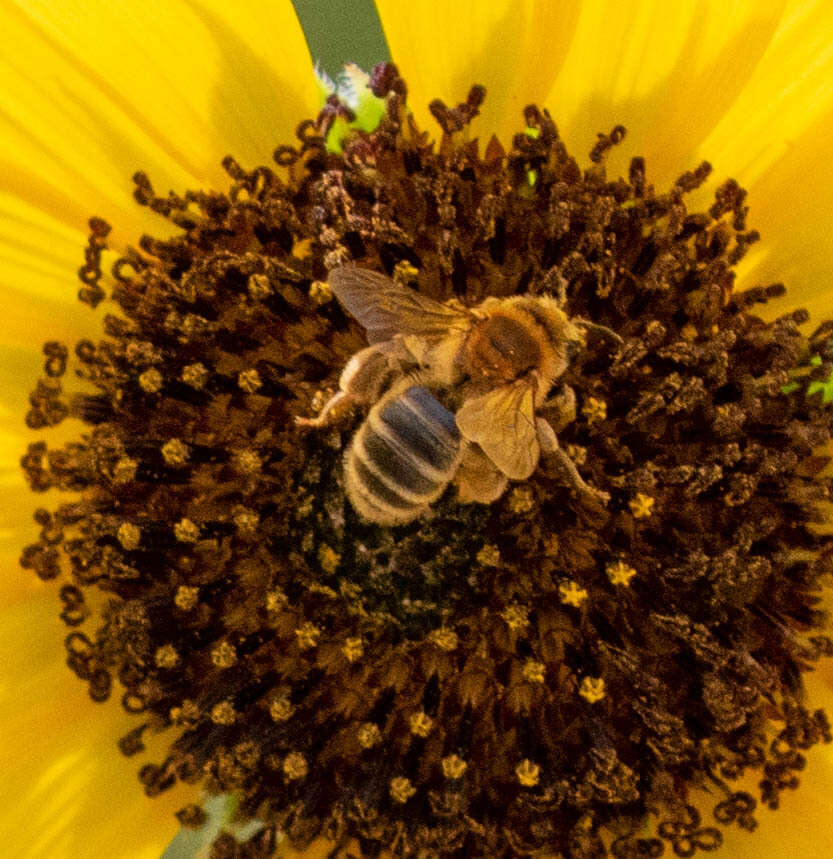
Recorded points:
(454, 395)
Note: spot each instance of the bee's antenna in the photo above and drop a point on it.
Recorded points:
(601, 329)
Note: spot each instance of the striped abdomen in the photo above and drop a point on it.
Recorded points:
(402, 457)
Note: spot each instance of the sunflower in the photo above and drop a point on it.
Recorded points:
(94, 94)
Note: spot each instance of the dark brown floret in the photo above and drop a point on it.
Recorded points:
(540, 674)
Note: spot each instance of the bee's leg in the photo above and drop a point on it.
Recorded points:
(551, 449)
(322, 418)
(366, 377)
(564, 406)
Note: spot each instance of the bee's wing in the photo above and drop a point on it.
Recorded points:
(502, 422)
(385, 308)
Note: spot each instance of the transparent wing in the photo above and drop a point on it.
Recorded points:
(385, 308)
(502, 422)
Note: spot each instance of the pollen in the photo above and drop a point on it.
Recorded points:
(620, 573)
(528, 773)
(572, 593)
(401, 789)
(641, 505)
(454, 767)
(248, 462)
(592, 689)
(421, 724)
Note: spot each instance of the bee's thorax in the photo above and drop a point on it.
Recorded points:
(502, 348)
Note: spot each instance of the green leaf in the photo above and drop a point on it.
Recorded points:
(195, 843)
(823, 388)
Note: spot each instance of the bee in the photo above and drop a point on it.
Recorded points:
(453, 392)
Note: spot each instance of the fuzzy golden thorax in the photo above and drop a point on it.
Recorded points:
(516, 337)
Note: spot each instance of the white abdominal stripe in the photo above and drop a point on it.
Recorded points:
(403, 456)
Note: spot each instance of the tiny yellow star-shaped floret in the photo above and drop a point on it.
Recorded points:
(641, 505)
(534, 671)
(592, 689)
(620, 573)
(295, 766)
(572, 593)
(528, 773)
(259, 287)
(445, 639)
(249, 380)
(186, 597)
(595, 410)
(405, 271)
(516, 617)
(224, 655)
(421, 724)
(329, 559)
(307, 636)
(276, 600)
(280, 708)
(453, 766)
(369, 735)
(320, 292)
(151, 381)
(166, 656)
(223, 713)
(401, 789)
(489, 555)
(353, 649)
(129, 535)
(175, 452)
(521, 499)
(186, 531)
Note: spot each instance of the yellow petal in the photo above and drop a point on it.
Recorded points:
(776, 141)
(66, 790)
(802, 825)
(94, 90)
(668, 72)
(515, 49)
